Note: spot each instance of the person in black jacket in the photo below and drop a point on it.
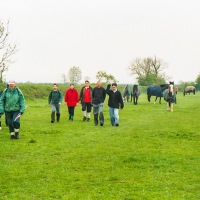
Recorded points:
(98, 98)
(115, 102)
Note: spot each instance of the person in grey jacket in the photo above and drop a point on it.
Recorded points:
(115, 102)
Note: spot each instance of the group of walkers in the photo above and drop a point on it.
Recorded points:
(12, 104)
(89, 98)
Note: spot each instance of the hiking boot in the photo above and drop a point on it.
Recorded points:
(17, 135)
(116, 124)
(101, 124)
(58, 117)
(88, 119)
(84, 118)
(12, 137)
(52, 121)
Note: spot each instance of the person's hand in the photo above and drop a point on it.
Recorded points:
(59, 103)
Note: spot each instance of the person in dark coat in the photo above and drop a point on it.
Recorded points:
(115, 102)
(98, 98)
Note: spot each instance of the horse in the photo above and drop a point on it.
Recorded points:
(135, 93)
(126, 93)
(156, 91)
(170, 96)
(189, 89)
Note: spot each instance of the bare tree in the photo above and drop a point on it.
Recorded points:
(64, 78)
(148, 70)
(75, 74)
(7, 50)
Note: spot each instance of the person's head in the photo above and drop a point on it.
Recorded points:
(98, 84)
(87, 83)
(71, 85)
(55, 86)
(12, 84)
(114, 86)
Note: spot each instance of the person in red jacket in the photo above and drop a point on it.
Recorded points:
(71, 100)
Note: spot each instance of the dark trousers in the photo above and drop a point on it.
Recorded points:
(71, 110)
(12, 120)
(86, 107)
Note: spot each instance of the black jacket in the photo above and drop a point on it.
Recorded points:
(115, 98)
(98, 95)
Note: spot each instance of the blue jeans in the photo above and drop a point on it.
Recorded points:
(114, 115)
(55, 107)
(98, 113)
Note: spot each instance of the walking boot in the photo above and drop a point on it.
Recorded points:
(58, 117)
(17, 135)
(53, 117)
(12, 136)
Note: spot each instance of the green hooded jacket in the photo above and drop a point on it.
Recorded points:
(12, 100)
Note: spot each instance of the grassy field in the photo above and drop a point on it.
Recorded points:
(153, 154)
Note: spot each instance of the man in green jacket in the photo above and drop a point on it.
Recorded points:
(54, 100)
(13, 104)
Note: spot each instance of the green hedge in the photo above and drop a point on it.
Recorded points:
(32, 91)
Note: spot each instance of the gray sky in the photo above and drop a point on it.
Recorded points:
(101, 35)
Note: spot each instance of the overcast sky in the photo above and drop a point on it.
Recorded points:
(101, 35)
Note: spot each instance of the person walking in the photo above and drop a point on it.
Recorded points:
(71, 99)
(115, 101)
(86, 100)
(55, 100)
(12, 102)
(98, 98)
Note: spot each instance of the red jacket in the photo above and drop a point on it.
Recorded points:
(71, 97)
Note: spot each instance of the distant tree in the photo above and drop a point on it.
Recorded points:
(103, 76)
(197, 81)
(7, 50)
(75, 74)
(149, 71)
(64, 78)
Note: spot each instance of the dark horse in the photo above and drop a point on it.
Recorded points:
(170, 96)
(189, 89)
(135, 93)
(156, 91)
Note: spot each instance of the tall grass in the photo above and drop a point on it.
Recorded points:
(153, 154)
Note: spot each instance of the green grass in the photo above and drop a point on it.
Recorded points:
(153, 154)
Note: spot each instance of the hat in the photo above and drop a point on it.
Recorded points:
(12, 82)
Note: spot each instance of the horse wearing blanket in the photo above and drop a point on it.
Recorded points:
(156, 91)
(170, 96)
